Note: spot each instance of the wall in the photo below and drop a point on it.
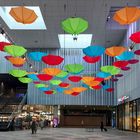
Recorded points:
(129, 84)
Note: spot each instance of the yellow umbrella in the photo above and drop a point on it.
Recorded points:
(78, 89)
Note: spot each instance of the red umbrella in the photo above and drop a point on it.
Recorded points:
(98, 87)
(64, 85)
(74, 78)
(119, 75)
(98, 79)
(114, 79)
(137, 52)
(125, 68)
(135, 37)
(133, 61)
(89, 59)
(49, 92)
(44, 77)
(75, 93)
(36, 82)
(3, 44)
(110, 89)
(120, 64)
(52, 59)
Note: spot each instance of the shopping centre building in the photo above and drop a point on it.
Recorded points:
(75, 61)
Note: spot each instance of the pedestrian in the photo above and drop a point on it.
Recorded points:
(34, 127)
(41, 124)
(102, 126)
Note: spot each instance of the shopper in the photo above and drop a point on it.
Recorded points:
(102, 126)
(34, 127)
(41, 124)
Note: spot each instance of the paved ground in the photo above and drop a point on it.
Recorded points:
(69, 134)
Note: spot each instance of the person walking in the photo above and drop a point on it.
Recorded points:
(41, 124)
(34, 127)
(102, 126)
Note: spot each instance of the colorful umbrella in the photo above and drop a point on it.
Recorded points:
(33, 77)
(36, 82)
(44, 77)
(120, 64)
(91, 60)
(64, 85)
(52, 59)
(51, 71)
(23, 15)
(127, 55)
(119, 75)
(110, 69)
(40, 85)
(62, 74)
(44, 88)
(92, 83)
(18, 73)
(125, 68)
(74, 68)
(3, 44)
(105, 86)
(94, 51)
(75, 93)
(55, 82)
(36, 56)
(16, 61)
(103, 74)
(115, 51)
(49, 92)
(98, 87)
(59, 89)
(135, 37)
(137, 52)
(74, 25)
(133, 61)
(15, 50)
(25, 80)
(68, 91)
(110, 89)
(87, 79)
(78, 89)
(74, 78)
(127, 15)
(98, 79)
(114, 79)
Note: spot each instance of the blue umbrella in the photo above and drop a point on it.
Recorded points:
(36, 56)
(94, 51)
(84, 85)
(127, 55)
(103, 74)
(105, 86)
(44, 88)
(59, 89)
(33, 77)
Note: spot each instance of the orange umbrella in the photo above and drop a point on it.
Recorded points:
(108, 78)
(68, 91)
(92, 83)
(115, 50)
(23, 15)
(78, 89)
(127, 15)
(87, 78)
(16, 61)
(51, 71)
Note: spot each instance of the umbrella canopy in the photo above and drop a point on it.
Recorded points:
(36, 82)
(59, 89)
(44, 77)
(74, 25)
(18, 73)
(51, 71)
(49, 92)
(114, 79)
(127, 55)
(33, 77)
(16, 61)
(55, 82)
(133, 61)
(79, 89)
(105, 86)
(64, 85)
(23, 15)
(110, 89)
(92, 83)
(92, 60)
(110, 69)
(137, 52)
(36, 56)
(98, 79)
(40, 85)
(74, 78)
(118, 75)
(103, 74)
(3, 44)
(44, 88)
(15, 50)
(127, 15)
(125, 68)
(115, 50)
(75, 93)
(94, 51)
(120, 64)
(135, 37)
(25, 80)
(98, 87)
(52, 59)
(68, 91)
(87, 78)
(62, 74)
(74, 68)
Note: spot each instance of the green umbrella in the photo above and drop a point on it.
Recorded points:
(74, 68)
(15, 50)
(18, 73)
(55, 82)
(40, 85)
(25, 80)
(62, 74)
(110, 69)
(74, 25)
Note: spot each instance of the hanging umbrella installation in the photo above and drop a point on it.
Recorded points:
(23, 15)
(127, 15)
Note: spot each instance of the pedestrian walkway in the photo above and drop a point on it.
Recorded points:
(69, 134)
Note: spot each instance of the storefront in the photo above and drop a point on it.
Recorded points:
(128, 115)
